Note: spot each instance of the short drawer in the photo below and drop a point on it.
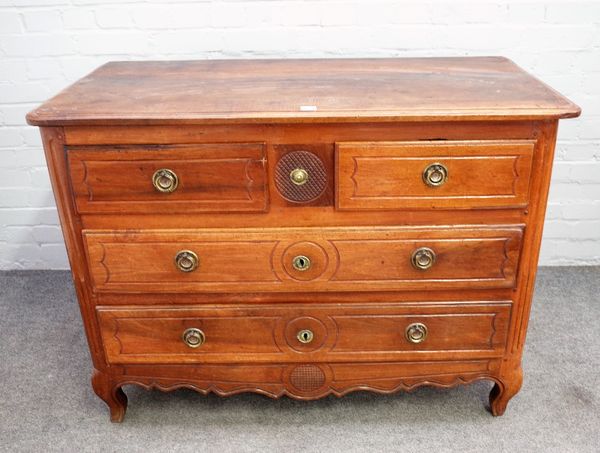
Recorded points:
(169, 178)
(303, 259)
(294, 332)
(435, 174)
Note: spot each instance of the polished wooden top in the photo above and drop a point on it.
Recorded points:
(281, 91)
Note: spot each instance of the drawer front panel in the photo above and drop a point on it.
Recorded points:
(274, 333)
(327, 259)
(229, 177)
(394, 175)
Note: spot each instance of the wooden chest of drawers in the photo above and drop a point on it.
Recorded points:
(303, 227)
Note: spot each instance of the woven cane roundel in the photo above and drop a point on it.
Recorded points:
(307, 378)
(310, 168)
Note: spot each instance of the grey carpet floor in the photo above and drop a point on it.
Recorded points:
(47, 404)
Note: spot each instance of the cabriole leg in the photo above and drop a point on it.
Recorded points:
(502, 393)
(111, 394)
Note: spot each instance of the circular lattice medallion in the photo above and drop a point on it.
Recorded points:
(307, 378)
(300, 176)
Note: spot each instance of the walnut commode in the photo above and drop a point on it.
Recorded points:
(303, 227)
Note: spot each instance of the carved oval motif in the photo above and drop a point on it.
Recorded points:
(319, 260)
(318, 329)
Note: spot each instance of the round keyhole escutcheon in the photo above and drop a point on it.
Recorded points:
(301, 263)
(305, 336)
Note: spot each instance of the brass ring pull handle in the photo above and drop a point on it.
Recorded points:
(193, 337)
(305, 336)
(416, 332)
(186, 260)
(301, 263)
(165, 180)
(423, 258)
(299, 176)
(435, 175)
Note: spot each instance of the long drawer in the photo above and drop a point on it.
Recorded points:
(327, 332)
(303, 259)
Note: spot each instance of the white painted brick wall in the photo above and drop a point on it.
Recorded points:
(47, 44)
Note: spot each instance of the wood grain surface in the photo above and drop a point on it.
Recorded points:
(389, 175)
(342, 333)
(211, 178)
(358, 259)
(237, 91)
(372, 127)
